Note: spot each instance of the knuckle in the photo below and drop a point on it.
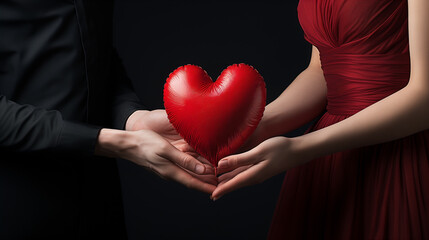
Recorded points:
(163, 146)
(184, 147)
(163, 172)
(181, 148)
(259, 152)
(186, 161)
(190, 183)
(166, 173)
(153, 169)
(234, 161)
(162, 149)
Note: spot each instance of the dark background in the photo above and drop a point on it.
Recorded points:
(153, 39)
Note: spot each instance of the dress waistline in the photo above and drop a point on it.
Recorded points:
(356, 81)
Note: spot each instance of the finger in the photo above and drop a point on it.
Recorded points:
(200, 158)
(234, 161)
(227, 176)
(247, 177)
(183, 146)
(211, 179)
(186, 148)
(208, 178)
(204, 160)
(179, 175)
(188, 162)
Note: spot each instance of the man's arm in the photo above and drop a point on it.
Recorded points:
(150, 140)
(25, 128)
(126, 101)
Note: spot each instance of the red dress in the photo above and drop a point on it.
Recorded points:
(375, 192)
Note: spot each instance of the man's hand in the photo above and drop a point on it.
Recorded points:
(148, 149)
(151, 141)
(158, 122)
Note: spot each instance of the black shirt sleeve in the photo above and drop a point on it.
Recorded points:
(25, 128)
(126, 100)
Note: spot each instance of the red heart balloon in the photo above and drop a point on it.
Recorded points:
(215, 118)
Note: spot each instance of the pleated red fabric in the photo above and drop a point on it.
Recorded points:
(375, 192)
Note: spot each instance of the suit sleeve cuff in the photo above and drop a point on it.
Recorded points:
(124, 112)
(78, 138)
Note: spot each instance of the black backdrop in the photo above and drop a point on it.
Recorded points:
(156, 37)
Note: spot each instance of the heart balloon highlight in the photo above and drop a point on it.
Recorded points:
(215, 118)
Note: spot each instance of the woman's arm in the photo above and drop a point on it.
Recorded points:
(303, 100)
(401, 114)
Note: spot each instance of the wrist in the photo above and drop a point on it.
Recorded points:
(263, 131)
(112, 142)
(269, 125)
(310, 146)
(134, 119)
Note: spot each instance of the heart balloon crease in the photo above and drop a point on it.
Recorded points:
(215, 118)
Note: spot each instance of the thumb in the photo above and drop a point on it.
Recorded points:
(232, 162)
(188, 162)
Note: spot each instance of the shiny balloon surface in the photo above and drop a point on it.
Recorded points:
(215, 118)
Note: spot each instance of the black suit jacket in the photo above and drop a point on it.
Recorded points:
(60, 82)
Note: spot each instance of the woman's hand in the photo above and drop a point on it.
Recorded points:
(255, 138)
(268, 159)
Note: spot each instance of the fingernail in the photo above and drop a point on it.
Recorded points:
(210, 169)
(215, 199)
(199, 169)
(222, 164)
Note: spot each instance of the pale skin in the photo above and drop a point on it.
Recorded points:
(399, 115)
(152, 142)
